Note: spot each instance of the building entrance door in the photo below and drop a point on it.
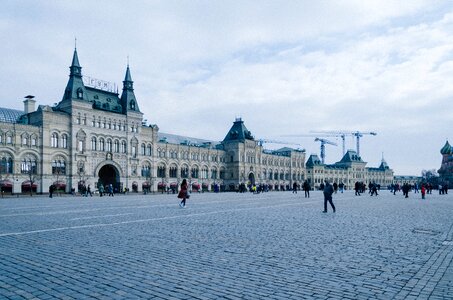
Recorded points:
(108, 174)
(252, 178)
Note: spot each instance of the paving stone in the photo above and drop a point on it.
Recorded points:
(275, 245)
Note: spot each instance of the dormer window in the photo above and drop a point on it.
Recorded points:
(79, 93)
(132, 104)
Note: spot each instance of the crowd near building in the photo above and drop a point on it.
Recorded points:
(96, 136)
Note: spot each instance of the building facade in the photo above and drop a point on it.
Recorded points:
(350, 169)
(95, 136)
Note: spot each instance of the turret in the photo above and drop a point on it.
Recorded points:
(75, 89)
(128, 100)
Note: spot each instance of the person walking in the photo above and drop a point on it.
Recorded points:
(295, 188)
(374, 189)
(328, 191)
(89, 191)
(110, 188)
(423, 191)
(306, 188)
(357, 188)
(101, 190)
(183, 193)
(51, 189)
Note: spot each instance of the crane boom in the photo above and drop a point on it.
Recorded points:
(262, 141)
(342, 134)
(323, 147)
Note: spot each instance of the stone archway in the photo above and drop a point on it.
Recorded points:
(109, 174)
(252, 178)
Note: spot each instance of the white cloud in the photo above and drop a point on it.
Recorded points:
(284, 67)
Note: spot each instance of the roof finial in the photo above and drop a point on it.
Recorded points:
(128, 60)
(75, 42)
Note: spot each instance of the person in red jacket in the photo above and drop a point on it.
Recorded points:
(423, 191)
(183, 193)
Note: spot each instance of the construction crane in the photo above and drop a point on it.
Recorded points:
(323, 147)
(342, 134)
(262, 141)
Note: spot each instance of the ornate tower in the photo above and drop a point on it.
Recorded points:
(128, 100)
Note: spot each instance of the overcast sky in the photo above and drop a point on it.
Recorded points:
(285, 67)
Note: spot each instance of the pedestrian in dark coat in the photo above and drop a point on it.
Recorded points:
(183, 193)
(306, 188)
(328, 191)
(51, 189)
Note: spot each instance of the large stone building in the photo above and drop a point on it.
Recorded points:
(96, 136)
(350, 169)
(446, 168)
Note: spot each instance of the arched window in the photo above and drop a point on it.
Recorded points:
(58, 166)
(34, 141)
(173, 172)
(146, 171)
(132, 104)
(79, 93)
(214, 173)
(123, 147)
(6, 165)
(101, 145)
(93, 144)
(116, 146)
(64, 141)
(109, 145)
(204, 172)
(161, 171)
(143, 149)
(184, 172)
(28, 165)
(148, 150)
(54, 140)
(194, 172)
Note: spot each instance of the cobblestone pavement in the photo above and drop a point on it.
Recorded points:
(276, 245)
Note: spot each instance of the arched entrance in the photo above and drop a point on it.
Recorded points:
(252, 178)
(108, 174)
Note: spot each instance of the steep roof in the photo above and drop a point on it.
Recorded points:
(238, 132)
(351, 156)
(313, 160)
(384, 165)
(104, 100)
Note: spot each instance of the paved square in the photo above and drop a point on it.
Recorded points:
(275, 245)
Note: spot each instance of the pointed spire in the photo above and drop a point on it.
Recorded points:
(75, 59)
(75, 68)
(128, 100)
(128, 74)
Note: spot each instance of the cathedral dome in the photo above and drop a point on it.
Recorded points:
(447, 149)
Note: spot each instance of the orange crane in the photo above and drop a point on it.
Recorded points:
(342, 134)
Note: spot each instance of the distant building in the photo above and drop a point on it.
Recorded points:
(350, 169)
(446, 167)
(409, 179)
